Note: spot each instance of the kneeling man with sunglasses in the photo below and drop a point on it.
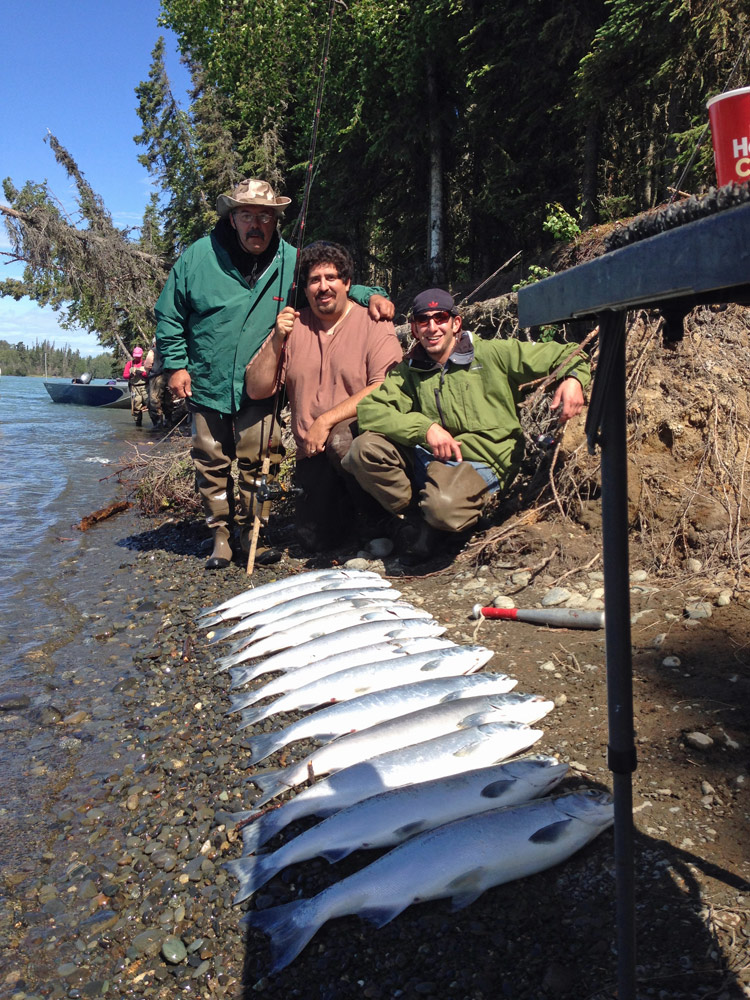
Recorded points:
(442, 434)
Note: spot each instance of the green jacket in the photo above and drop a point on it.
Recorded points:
(474, 396)
(211, 322)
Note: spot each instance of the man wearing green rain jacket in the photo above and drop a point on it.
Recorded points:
(441, 433)
(218, 306)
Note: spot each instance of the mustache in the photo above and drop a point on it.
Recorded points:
(254, 232)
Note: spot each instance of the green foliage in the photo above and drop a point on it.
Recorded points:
(536, 273)
(171, 157)
(85, 268)
(560, 224)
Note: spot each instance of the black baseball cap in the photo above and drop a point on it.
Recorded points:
(433, 298)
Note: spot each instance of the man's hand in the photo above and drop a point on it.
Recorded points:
(284, 323)
(443, 445)
(569, 396)
(179, 384)
(314, 442)
(379, 307)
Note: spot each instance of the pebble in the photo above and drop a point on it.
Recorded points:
(555, 596)
(173, 950)
(14, 702)
(380, 548)
(724, 599)
(698, 741)
(693, 565)
(638, 576)
(671, 661)
(503, 601)
(699, 610)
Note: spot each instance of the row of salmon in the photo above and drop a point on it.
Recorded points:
(415, 745)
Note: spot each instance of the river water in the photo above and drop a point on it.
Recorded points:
(60, 587)
(54, 464)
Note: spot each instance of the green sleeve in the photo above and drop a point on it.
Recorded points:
(171, 322)
(390, 410)
(361, 293)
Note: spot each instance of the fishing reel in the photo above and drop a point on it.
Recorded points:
(274, 490)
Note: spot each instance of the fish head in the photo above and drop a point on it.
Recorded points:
(540, 770)
(590, 805)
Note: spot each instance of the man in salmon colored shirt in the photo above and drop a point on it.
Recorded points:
(334, 356)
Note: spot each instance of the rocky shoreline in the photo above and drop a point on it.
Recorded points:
(113, 885)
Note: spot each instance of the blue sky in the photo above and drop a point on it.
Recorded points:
(72, 68)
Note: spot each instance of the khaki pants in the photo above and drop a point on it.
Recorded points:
(218, 438)
(453, 496)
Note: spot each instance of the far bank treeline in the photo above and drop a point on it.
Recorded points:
(451, 131)
(56, 362)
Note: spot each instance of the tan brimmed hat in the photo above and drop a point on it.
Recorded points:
(250, 192)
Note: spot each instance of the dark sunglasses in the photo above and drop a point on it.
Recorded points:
(441, 318)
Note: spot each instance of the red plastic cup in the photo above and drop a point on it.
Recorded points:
(729, 115)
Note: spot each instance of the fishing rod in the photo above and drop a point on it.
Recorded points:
(266, 492)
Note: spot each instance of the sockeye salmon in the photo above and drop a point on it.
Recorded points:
(335, 621)
(314, 684)
(377, 706)
(284, 584)
(405, 730)
(303, 609)
(272, 598)
(391, 817)
(354, 637)
(461, 859)
(445, 755)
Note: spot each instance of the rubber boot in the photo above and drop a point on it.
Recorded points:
(221, 556)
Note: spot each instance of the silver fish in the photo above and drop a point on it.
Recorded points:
(354, 637)
(461, 859)
(302, 609)
(315, 684)
(262, 601)
(285, 582)
(445, 755)
(392, 817)
(403, 731)
(336, 620)
(377, 706)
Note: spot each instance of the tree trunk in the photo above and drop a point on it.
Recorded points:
(435, 215)
(589, 186)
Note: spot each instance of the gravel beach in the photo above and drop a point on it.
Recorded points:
(112, 878)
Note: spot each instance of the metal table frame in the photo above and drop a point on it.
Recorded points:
(707, 261)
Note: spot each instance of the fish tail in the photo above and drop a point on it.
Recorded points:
(262, 746)
(266, 780)
(240, 702)
(240, 676)
(207, 621)
(224, 663)
(252, 873)
(252, 715)
(219, 634)
(290, 927)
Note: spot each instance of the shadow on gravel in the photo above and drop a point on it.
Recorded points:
(183, 538)
(551, 935)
